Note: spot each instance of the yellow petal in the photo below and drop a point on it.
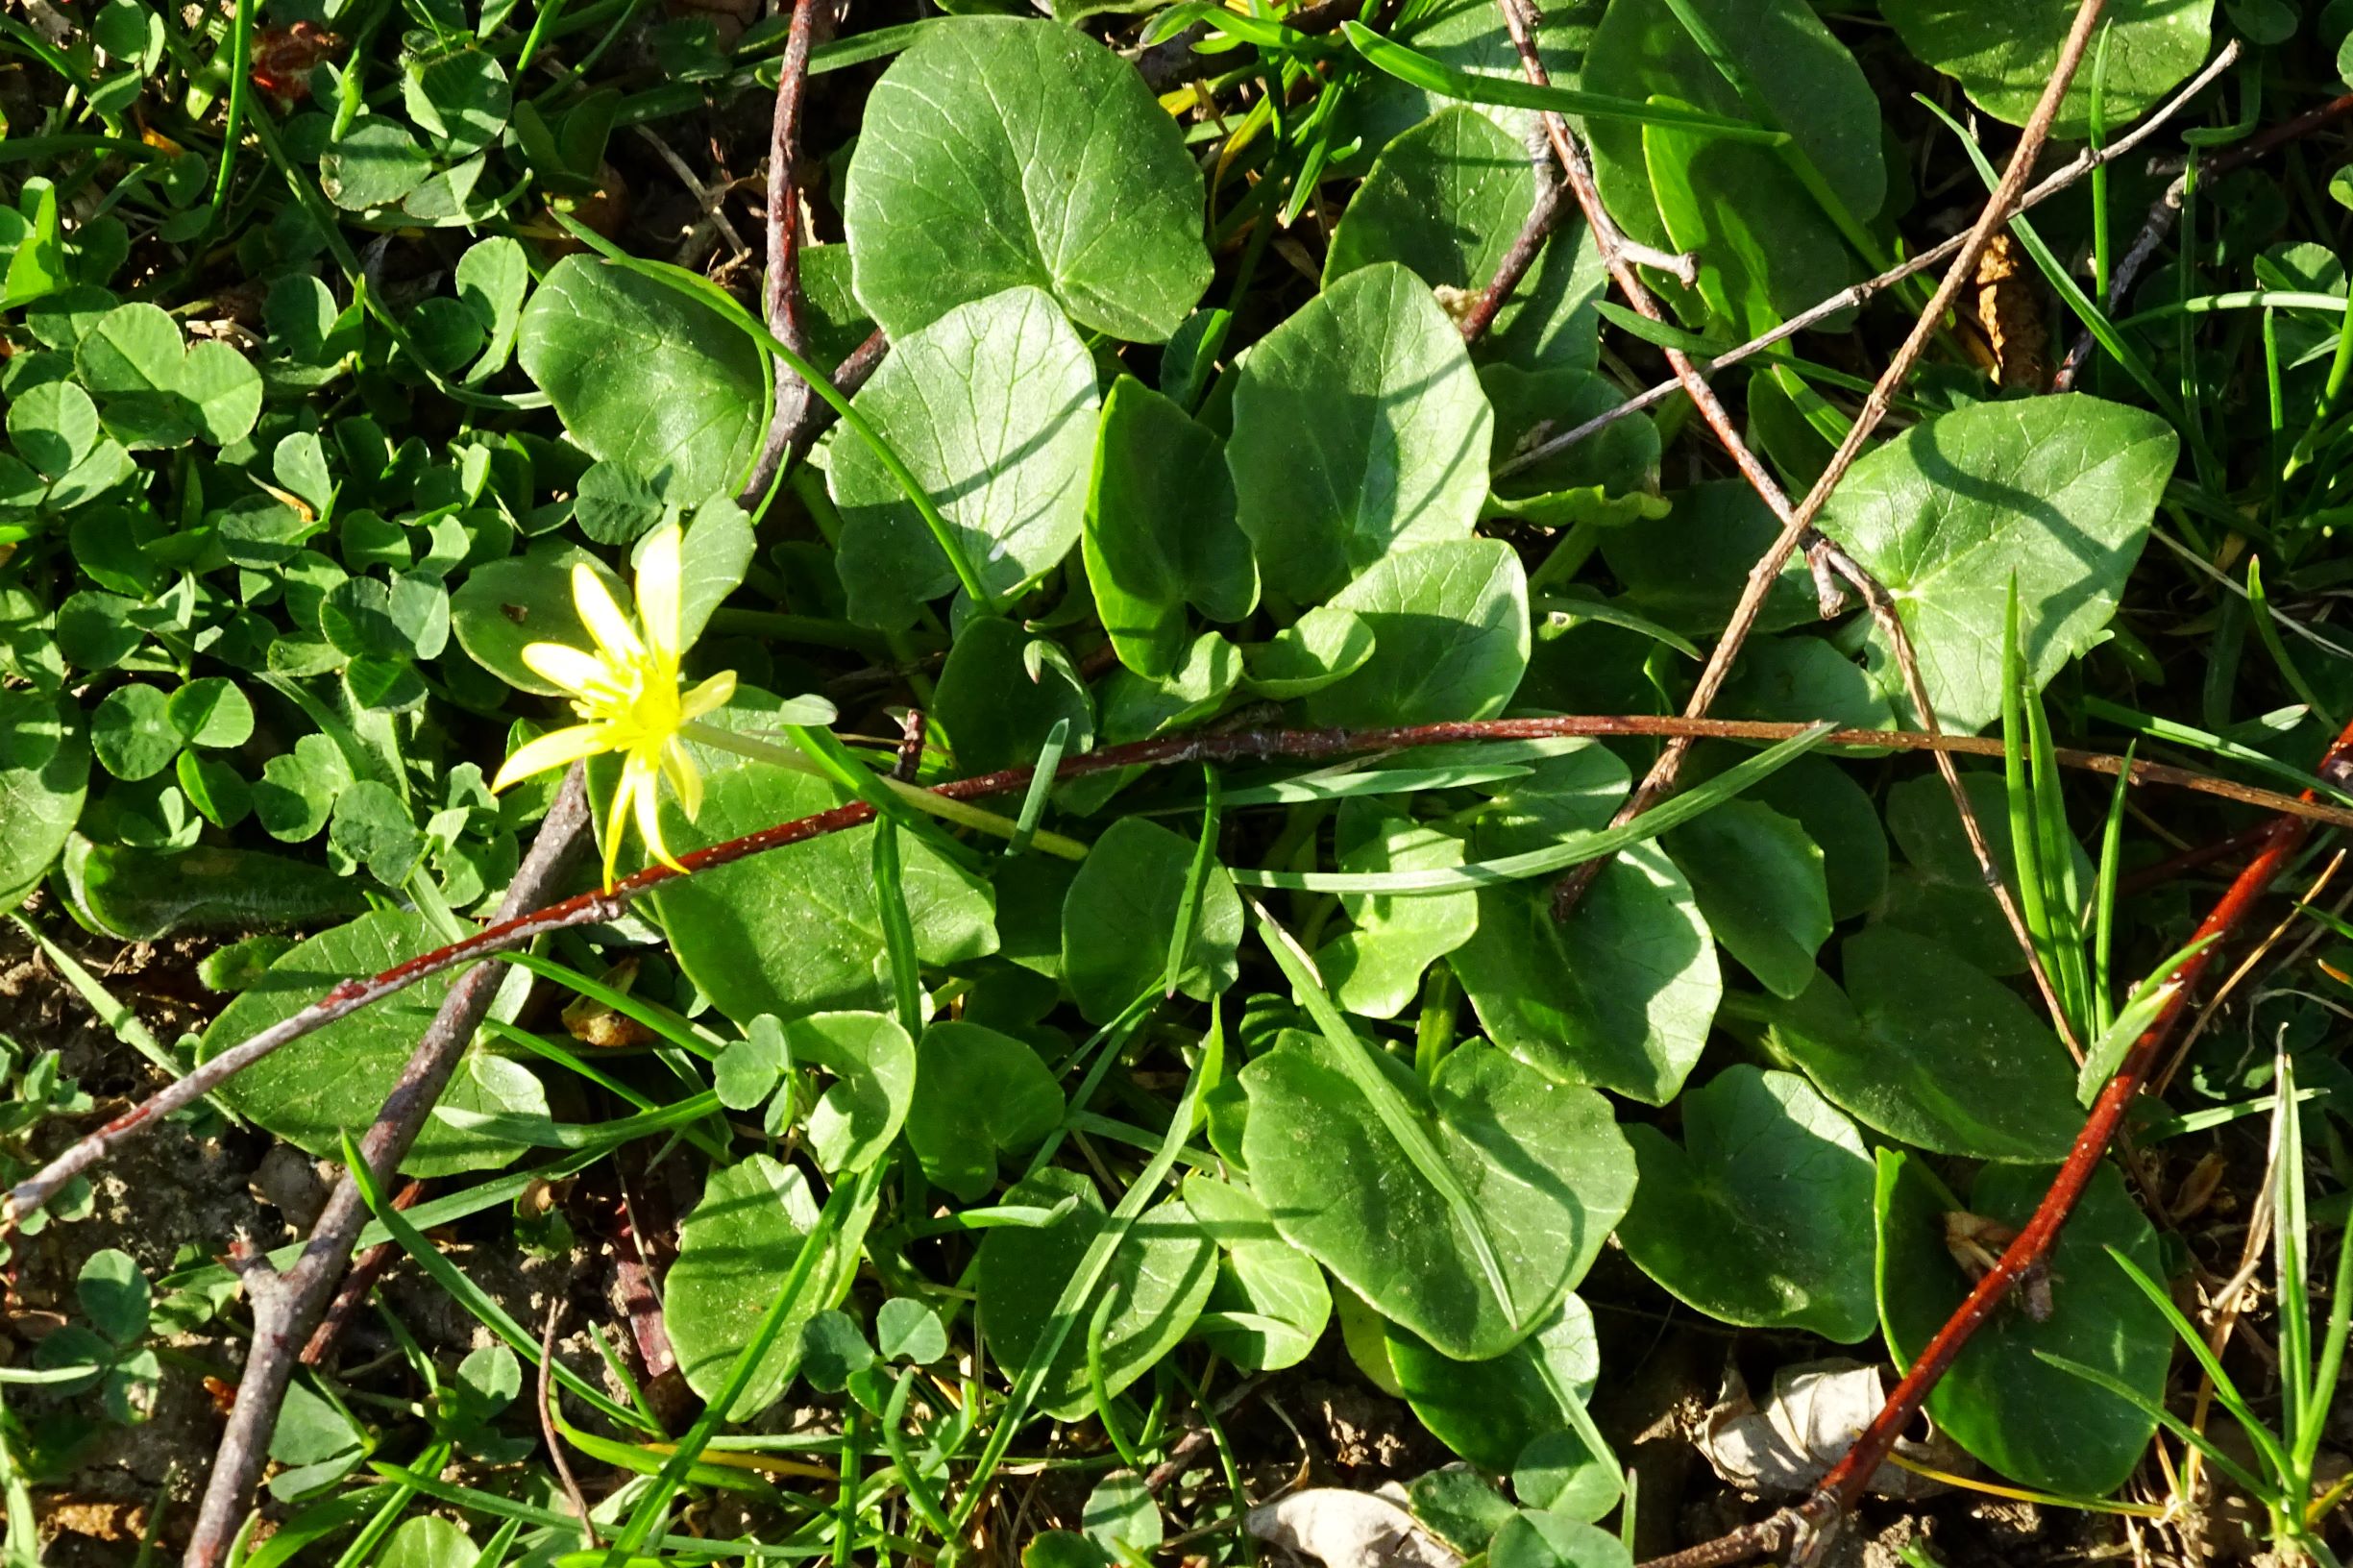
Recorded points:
(617, 822)
(602, 617)
(657, 593)
(568, 668)
(712, 695)
(678, 767)
(650, 811)
(557, 748)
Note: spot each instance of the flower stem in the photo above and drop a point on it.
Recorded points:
(960, 813)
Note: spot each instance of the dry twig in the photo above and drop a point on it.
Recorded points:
(792, 399)
(359, 1283)
(2030, 1251)
(547, 1421)
(286, 1305)
(712, 201)
(1621, 255)
(1797, 525)
(1847, 299)
(2169, 208)
(1542, 219)
(1174, 750)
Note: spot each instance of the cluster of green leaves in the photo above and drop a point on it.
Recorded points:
(267, 588)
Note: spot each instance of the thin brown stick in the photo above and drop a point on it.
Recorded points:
(1797, 524)
(546, 1404)
(286, 1305)
(2139, 882)
(359, 1283)
(713, 203)
(783, 298)
(1621, 254)
(1847, 299)
(2031, 1252)
(2168, 211)
(1175, 751)
(1543, 218)
(1907, 660)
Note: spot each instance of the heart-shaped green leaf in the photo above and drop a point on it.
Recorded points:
(2034, 1422)
(1933, 1052)
(999, 153)
(1544, 1167)
(1762, 1215)
(1159, 1277)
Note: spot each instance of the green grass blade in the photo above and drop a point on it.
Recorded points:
(2225, 1391)
(1573, 849)
(2165, 1418)
(2326, 1388)
(911, 1479)
(2055, 856)
(691, 1548)
(680, 1032)
(897, 929)
(1099, 1386)
(1081, 1288)
(119, 1019)
(1413, 67)
(2018, 794)
(399, 1228)
(2181, 734)
(2290, 1241)
(1355, 779)
(1561, 613)
(2103, 897)
(1040, 787)
(2181, 1124)
(379, 1524)
(1196, 878)
(2267, 631)
(2131, 1023)
(1353, 1057)
(848, 1208)
(2102, 240)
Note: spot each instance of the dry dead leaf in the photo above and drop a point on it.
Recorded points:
(1343, 1528)
(1815, 1411)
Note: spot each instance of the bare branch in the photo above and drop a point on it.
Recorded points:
(545, 1403)
(1542, 219)
(1174, 750)
(2168, 211)
(285, 1307)
(1798, 526)
(783, 299)
(1847, 299)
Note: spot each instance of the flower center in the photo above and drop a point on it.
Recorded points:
(638, 701)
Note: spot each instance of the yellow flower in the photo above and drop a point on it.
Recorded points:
(626, 691)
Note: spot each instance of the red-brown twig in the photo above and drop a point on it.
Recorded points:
(1173, 750)
(792, 397)
(1847, 299)
(286, 1305)
(2031, 1250)
(359, 1283)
